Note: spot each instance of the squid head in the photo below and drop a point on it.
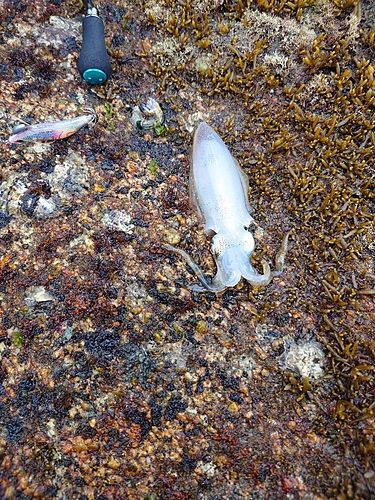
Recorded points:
(233, 262)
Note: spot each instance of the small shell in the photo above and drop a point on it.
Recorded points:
(147, 115)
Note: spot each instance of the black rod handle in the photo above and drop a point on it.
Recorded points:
(93, 63)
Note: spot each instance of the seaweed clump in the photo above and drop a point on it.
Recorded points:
(306, 137)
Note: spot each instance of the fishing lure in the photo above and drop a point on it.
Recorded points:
(219, 193)
(51, 131)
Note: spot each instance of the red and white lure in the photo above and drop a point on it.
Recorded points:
(51, 131)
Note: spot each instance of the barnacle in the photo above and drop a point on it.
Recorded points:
(147, 115)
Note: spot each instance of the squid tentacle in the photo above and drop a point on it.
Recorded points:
(216, 285)
(280, 256)
(206, 285)
(256, 279)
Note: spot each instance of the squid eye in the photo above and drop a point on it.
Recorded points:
(248, 242)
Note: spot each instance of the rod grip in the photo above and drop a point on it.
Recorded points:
(93, 63)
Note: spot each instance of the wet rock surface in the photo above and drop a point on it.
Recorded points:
(116, 381)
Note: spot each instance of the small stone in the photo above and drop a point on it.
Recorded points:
(178, 328)
(36, 294)
(113, 463)
(118, 220)
(233, 407)
(45, 207)
(172, 237)
(292, 425)
(133, 467)
(306, 359)
(157, 336)
(9, 493)
(4, 219)
(341, 496)
(201, 326)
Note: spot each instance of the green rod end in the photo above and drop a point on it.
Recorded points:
(94, 76)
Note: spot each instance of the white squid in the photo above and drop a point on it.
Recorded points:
(219, 193)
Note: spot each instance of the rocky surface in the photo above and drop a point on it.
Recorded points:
(117, 381)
